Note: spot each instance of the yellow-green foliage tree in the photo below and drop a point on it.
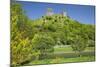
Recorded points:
(21, 49)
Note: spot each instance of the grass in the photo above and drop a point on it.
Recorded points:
(90, 49)
(66, 55)
(64, 49)
(69, 49)
(63, 60)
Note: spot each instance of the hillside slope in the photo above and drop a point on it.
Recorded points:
(64, 28)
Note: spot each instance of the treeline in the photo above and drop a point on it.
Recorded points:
(35, 39)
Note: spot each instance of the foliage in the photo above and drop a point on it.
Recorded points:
(43, 43)
(21, 49)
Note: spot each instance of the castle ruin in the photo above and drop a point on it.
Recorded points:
(50, 12)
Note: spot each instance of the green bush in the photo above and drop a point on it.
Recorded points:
(44, 44)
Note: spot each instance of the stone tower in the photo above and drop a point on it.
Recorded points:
(49, 12)
(64, 13)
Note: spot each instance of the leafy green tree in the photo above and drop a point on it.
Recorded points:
(43, 43)
(21, 49)
(78, 44)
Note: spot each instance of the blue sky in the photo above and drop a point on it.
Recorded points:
(82, 13)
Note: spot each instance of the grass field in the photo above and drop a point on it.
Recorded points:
(63, 60)
(66, 55)
(69, 49)
(63, 49)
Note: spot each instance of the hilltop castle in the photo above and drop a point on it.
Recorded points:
(64, 13)
(50, 12)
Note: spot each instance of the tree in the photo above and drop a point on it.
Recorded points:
(78, 44)
(21, 49)
(44, 44)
